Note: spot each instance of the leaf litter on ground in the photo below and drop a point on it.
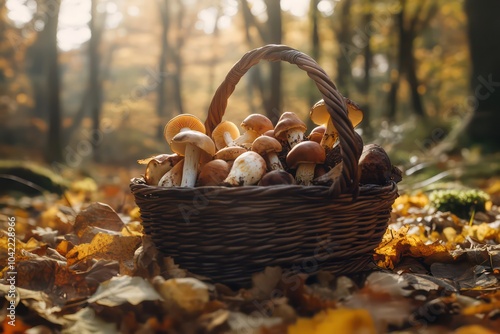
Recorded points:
(85, 267)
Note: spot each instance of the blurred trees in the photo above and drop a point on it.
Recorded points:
(147, 61)
(484, 39)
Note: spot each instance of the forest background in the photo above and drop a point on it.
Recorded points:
(96, 81)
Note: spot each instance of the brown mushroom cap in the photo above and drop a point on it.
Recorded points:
(218, 133)
(305, 152)
(202, 141)
(265, 144)
(257, 123)
(179, 122)
(229, 153)
(317, 133)
(276, 177)
(213, 173)
(288, 121)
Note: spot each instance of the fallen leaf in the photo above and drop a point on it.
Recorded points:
(124, 289)
(96, 218)
(346, 321)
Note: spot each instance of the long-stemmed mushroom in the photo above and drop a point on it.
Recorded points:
(290, 128)
(224, 134)
(247, 169)
(182, 123)
(320, 116)
(254, 125)
(191, 144)
(304, 157)
(267, 147)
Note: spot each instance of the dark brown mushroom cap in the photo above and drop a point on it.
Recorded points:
(374, 165)
(276, 177)
(305, 152)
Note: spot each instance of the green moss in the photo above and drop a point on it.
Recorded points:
(458, 201)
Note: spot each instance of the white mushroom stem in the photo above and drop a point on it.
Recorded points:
(173, 177)
(248, 137)
(228, 139)
(330, 137)
(305, 173)
(190, 169)
(294, 136)
(274, 161)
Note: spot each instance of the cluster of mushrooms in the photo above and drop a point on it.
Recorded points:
(263, 154)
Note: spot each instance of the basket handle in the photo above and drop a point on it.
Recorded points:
(334, 102)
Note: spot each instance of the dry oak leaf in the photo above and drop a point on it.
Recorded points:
(346, 321)
(96, 217)
(106, 247)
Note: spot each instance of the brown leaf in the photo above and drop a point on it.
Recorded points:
(98, 217)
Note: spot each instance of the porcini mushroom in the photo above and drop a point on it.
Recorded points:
(290, 128)
(158, 166)
(213, 173)
(267, 147)
(320, 116)
(247, 169)
(182, 123)
(191, 144)
(374, 165)
(173, 177)
(224, 134)
(254, 125)
(304, 157)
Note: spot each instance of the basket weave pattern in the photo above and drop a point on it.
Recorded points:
(229, 233)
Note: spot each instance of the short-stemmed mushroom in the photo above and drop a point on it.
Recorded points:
(290, 128)
(191, 144)
(276, 177)
(173, 177)
(224, 134)
(158, 165)
(213, 173)
(254, 125)
(267, 147)
(304, 157)
(247, 169)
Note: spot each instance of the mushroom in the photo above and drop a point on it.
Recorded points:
(229, 153)
(224, 134)
(247, 169)
(290, 128)
(317, 133)
(326, 179)
(276, 177)
(320, 116)
(374, 165)
(191, 144)
(213, 173)
(267, 147)
(173, 177)
(254, 125)
(304, 156)
(182, 123)
(158, 166)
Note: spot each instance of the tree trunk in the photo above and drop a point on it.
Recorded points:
(484, 40)
(95, 86)
(366, 83)
(316, 47)
(54, 144)
(344, 37)
(162, 63)
(274, 103)
(396, 75)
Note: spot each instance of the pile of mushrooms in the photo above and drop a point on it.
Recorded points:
(262, 154)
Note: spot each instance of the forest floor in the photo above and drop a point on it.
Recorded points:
(82, 264)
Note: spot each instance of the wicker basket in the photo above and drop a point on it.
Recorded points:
(229, 233)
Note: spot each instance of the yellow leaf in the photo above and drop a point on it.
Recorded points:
(473, 329)
(346, 321)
